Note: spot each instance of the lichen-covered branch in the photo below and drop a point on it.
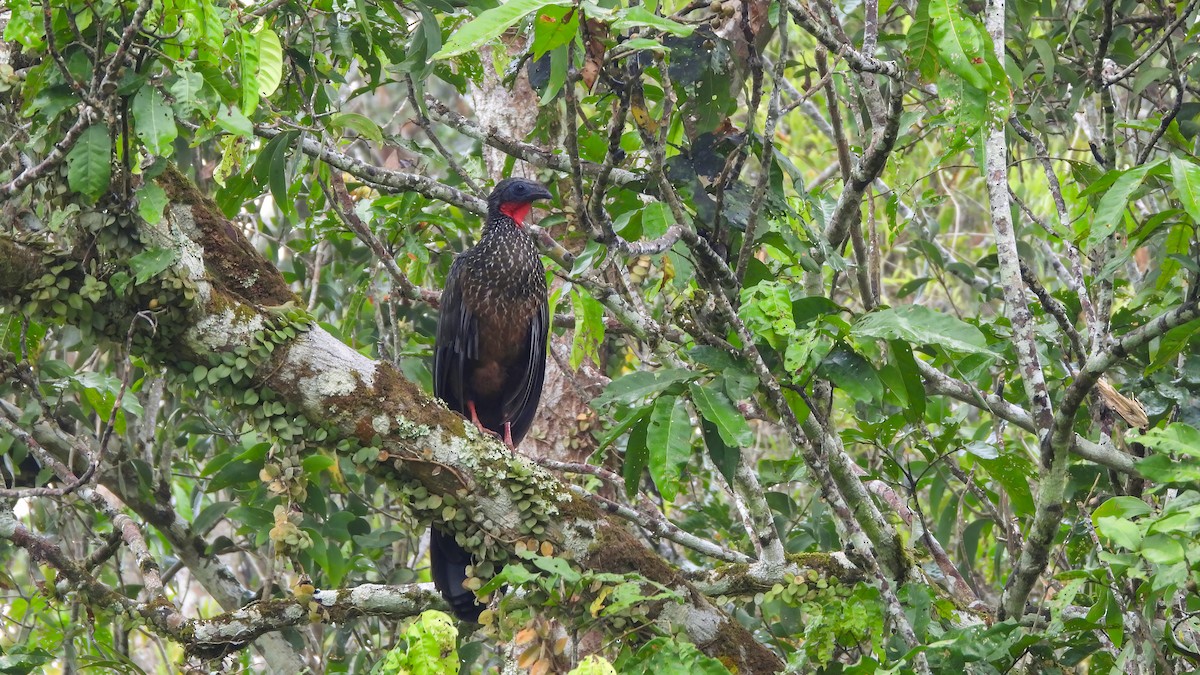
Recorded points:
(400, 432)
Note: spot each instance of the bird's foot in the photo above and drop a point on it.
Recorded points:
(482, 429)
(508, 435)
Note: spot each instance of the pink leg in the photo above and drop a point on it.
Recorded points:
(479, 425)
(508, 435)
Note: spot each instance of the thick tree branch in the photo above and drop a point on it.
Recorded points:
(417, 441)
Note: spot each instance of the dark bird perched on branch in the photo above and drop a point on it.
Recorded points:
(490, 352)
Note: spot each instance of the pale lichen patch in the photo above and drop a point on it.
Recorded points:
(702, 624)
(218, 330)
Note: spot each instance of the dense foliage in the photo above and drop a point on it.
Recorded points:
(875, 335)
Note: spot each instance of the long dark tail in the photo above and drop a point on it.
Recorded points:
(448, 565)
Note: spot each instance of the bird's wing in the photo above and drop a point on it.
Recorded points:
(457, 342)
(521, 401)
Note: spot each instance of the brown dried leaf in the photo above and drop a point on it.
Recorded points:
(1129, 409)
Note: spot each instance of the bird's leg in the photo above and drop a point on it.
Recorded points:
(508, 435)
(479, 425)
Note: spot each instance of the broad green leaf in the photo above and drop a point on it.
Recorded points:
(656, 218)
(638, 16)
(210, 516)
(432, 641)
(1162, 549)
(554, 27)
(717, 408)
(1163, 469)
(314, 464)
(637, 456)
(910, 377)
(1178, 242)
(1124, 507)
(1014, 474)
(151, 262)
(185, 89)
(960, 43)
(361, 124)
(852, 373)
(920, 51)
(1122, 532)
(248, 57)
(213, 20)
(1186, 176)
(1177, 438)
(669, 440)
(270, 168)
(490, 24)
(89, 168)
(589, 329)
(920, 325)
(632, 387)
(270, 60)
(232, 120)
(1110, 212)
(151, 200)
(154, 121)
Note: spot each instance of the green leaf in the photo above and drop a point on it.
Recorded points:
(432, 644)
(717, 408)
(270, 60)
(88, 167)
(960, 43)
(185, 89)
(314, 464)
(910, 376)
(669, 440)
(638, 16)
(151, 200)
(554, 27)
(154, 122)
(656, 218)
(1162, 549)
(248, 57)
(851, 372)
(361, 124)
(1177, 438)
(633, 387)
(270, 168)
(1122, 532)
(1125, 507)
(211, 514)
(637, 456)
(232, 120)
(151, 262)
(1178, 242)
(1110, 212)
(920, 325)
(589, 329)
(1186, 176)
(920, 50)
(490, 24)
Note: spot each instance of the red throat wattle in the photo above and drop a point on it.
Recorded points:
(516, 210)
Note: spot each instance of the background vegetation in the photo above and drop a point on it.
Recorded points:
(874, 345)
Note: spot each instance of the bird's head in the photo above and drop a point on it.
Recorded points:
(514, 197)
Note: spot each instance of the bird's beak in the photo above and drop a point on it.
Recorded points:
(541, 193)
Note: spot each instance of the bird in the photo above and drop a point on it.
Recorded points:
(489, 356)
